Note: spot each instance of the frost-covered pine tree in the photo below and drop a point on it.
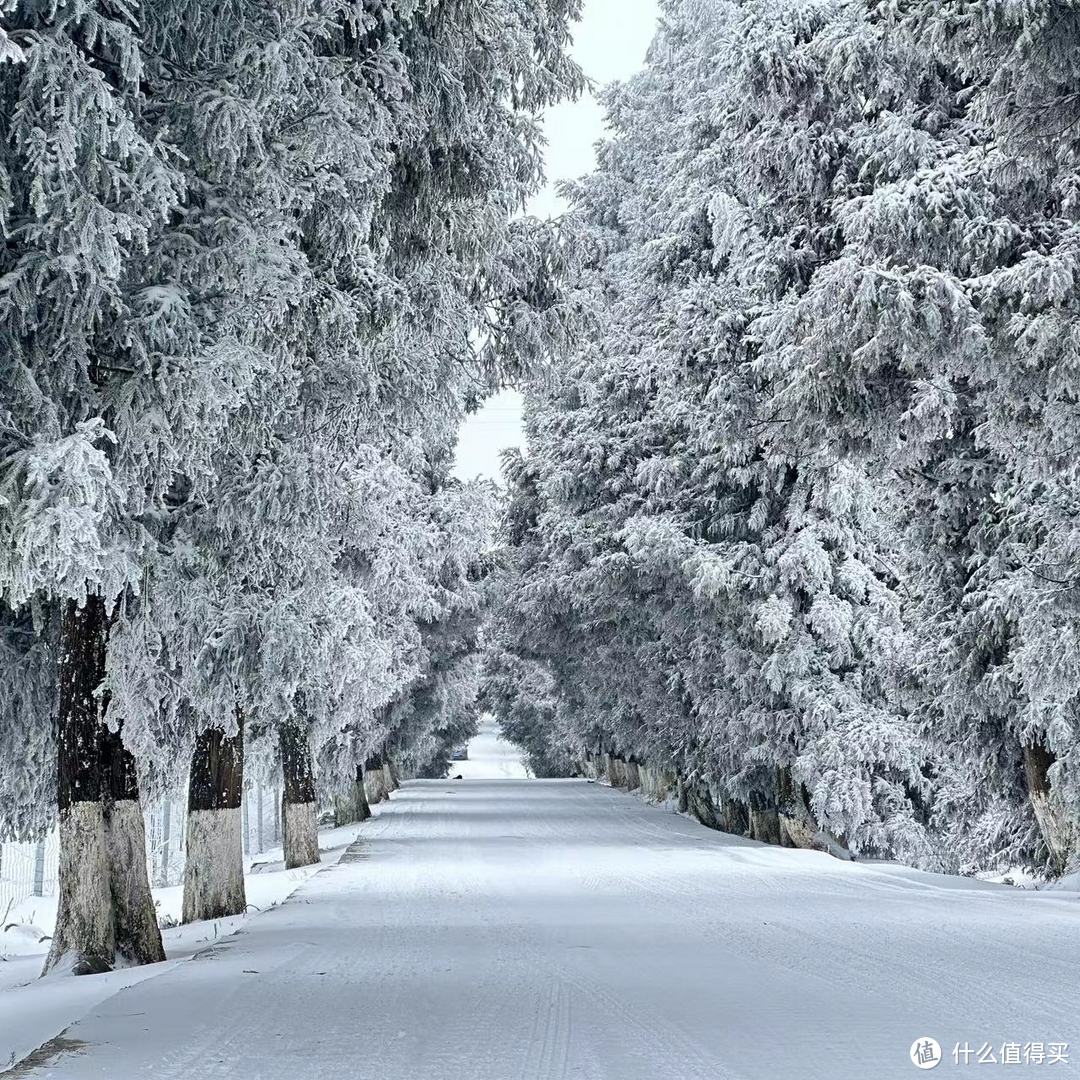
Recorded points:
(28, 688)
(437, 709)
(269, 142)
(927, 343)
(1019, 72)
(518, 683)
(262, 260)
(88, 432)
(290, 595)
(741, 576)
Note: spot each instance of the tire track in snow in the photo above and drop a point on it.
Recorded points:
(549, 1044)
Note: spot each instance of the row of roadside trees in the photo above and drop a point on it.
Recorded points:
(259, 259)
(797, 531)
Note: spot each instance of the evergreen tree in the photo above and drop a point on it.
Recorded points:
(88, 435)
(809, 475)
(259, 263)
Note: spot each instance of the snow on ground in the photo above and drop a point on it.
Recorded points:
(538, 929)
(33, 1010)
(1069, 883)
(491, 757)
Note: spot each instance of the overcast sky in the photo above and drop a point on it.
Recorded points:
(610, 43)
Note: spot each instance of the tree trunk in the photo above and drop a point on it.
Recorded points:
(138, 938)
(360, 794)
(353, 804)
(166, 842)
(344, 810)
(214, 868)
(765, 825)
(734, 817)
(1057, 832)
(700, 803)
(765, 818)
(661, 782)
(682, 797)
(298, 810)
(376, 780)
(105, 905)
(647, 782)
(85, 937)
(614, 771)
(797, 826)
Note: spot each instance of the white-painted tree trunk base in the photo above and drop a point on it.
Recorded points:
(138, 937)
(359, 795)
(84, 941)
(301, 835)
(1056, 830)
(800, 830)
(765, 826)
(214, 865)
(352, 805)
(389, 784)
(376, 786)
(656, 783)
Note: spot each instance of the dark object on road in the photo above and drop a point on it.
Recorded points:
(458, 777)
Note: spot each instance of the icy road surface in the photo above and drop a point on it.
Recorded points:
(503, 929)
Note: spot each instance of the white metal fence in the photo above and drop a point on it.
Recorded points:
(30, 869)
(27, 870)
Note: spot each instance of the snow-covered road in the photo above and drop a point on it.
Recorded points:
(502, 929)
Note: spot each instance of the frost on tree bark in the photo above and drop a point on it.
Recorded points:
(798, 828)
(1056, 831)
(699, 803)
(214, 866)
(298, 810)
(616, 771)
(105, 910)
(656, 782)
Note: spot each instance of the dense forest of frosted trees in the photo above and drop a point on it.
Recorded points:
(796, 540)
(259, 259)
